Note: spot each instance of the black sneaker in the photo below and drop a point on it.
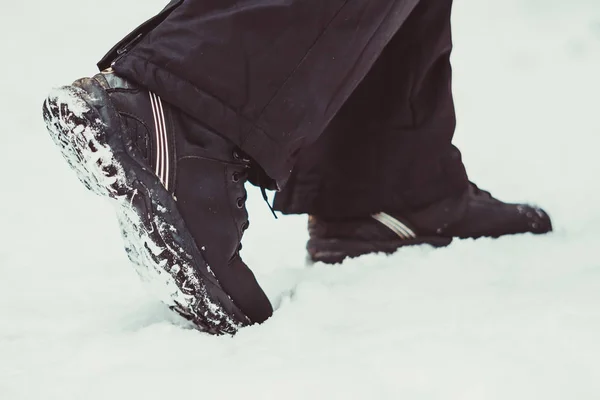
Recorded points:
(475, 214)
(179, 192)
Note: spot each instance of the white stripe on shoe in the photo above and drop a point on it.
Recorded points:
(162, 143)
(165, 142)
(157, 169)
(399, 228)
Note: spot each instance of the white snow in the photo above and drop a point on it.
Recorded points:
(514, 318)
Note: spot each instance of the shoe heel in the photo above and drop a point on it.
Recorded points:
(77, 130)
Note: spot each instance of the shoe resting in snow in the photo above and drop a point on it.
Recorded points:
(474, 214)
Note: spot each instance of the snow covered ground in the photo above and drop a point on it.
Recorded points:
(515, 318)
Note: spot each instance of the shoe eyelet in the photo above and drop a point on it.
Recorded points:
(240, 202)
(239, 156)
(235, 178)
(245, 226)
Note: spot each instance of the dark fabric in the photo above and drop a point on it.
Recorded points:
(389, 148)
(267, 74)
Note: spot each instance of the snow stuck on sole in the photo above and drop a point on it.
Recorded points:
(76, 128)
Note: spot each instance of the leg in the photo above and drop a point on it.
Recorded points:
(406, 185)
(166, 131)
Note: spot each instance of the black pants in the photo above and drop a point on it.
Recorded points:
(347, 101)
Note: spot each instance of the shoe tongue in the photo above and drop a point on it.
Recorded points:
(474, 190)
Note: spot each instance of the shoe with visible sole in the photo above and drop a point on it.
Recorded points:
(474, 214)
(178, 190)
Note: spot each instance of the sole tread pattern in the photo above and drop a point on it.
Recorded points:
(150, 237)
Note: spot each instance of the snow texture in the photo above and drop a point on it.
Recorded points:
(514, 318)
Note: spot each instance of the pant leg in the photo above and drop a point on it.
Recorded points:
(390, 146)
(267, 74)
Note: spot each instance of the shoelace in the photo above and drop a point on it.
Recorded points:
(238, 155)
(266, 199)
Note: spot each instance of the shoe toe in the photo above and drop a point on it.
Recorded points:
(538, 220)
(240, 284)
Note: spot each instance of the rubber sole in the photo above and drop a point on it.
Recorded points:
(334, 251)
(156, 239)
